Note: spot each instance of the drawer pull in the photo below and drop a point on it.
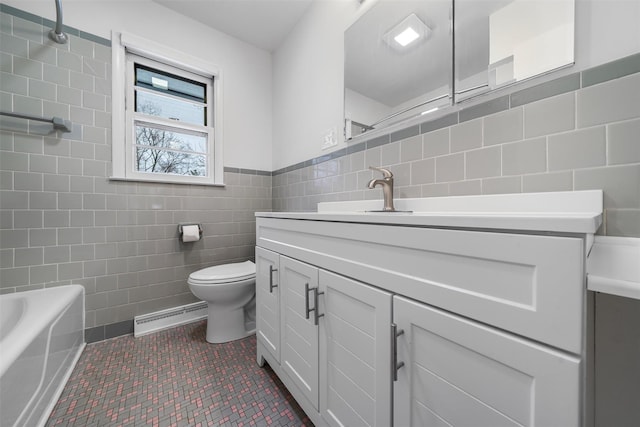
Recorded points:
(395, 365)
(271, 285)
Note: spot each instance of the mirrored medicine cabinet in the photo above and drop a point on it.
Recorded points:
(409, 58)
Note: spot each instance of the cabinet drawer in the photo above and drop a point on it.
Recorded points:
(532, 285)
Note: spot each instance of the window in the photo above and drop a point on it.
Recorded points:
(169, 116)
(169, 130)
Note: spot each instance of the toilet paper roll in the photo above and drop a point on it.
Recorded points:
(190, 233)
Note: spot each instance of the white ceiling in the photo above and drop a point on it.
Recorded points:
(262, 23)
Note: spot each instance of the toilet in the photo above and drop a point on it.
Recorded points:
(229, 291)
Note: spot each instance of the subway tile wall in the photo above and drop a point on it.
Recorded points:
(577, 132)
(63, 221)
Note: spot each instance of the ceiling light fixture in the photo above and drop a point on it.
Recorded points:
(407, 33)
(406, 37)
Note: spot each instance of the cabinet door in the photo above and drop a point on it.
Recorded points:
(460, 373)
(268, 301)
(299, 353)
(355, 353)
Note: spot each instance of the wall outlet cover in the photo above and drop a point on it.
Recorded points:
(330, 138)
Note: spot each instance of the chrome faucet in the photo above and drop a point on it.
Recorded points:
(387, 187)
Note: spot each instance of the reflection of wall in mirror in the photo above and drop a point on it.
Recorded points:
(362, 109)
(373, 115)
(538, 36)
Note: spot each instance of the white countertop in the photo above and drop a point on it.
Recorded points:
(613, 266)
(561, 212)
(613, 263)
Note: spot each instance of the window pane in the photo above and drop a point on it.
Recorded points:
(170, 108)
(170, 162)
(159, 137)
(169, 83)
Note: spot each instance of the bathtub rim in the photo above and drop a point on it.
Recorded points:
(49, 305)
(13, 345)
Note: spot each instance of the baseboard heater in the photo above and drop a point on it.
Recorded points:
(169, 318)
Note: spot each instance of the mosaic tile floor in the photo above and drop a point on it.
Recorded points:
(174, 378)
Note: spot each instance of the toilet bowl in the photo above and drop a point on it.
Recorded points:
(229, 291)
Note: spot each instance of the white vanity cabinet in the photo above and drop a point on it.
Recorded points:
(484, 319)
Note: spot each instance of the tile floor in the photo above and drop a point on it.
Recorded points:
(174, 378)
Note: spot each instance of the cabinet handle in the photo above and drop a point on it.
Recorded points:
(316, 312)
(271, 285)
(395, 365)
(308, 310)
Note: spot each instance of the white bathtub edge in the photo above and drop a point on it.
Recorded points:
(53, 322)
(56, 395)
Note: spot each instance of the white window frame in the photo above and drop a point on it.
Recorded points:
(127, 49)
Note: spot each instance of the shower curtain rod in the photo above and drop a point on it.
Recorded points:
(58, 123)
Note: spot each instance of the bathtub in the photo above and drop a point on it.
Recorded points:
(41, 339)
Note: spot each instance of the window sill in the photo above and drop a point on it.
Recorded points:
(166, 181)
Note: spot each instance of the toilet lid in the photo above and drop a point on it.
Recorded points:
(225, 273)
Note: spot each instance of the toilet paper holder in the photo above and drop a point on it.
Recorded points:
(180, 232)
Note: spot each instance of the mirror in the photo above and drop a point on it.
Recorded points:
(398, 63)
(500, 42)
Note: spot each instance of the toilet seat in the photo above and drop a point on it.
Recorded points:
(221, 274)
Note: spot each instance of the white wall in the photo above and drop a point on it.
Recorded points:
(246, 70)
(308, 82)
(308, 67)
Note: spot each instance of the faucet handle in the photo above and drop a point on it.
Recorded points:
(386, 172)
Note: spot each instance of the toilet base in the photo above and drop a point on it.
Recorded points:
(227, 325)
